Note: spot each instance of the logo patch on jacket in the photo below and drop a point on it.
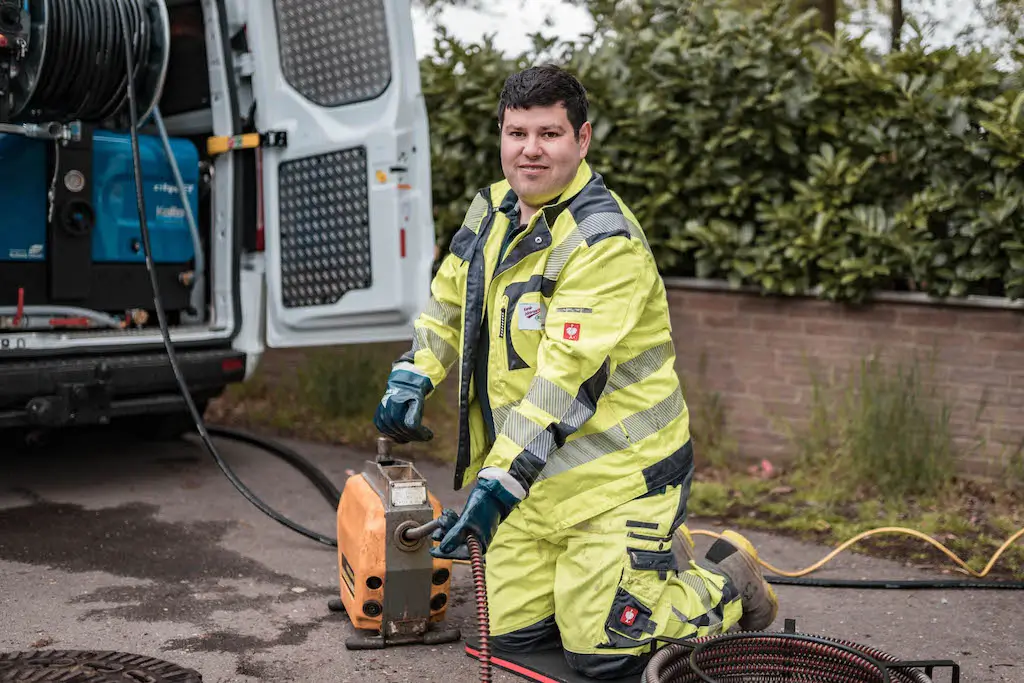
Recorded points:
(571, 331)
(530, 316)
(629, 615)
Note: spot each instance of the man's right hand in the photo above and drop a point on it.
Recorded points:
(400, 411)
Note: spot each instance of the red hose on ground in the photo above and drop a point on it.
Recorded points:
(483, 618)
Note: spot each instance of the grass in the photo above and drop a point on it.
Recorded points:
(970, 519)
(876, 450)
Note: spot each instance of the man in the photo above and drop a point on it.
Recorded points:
(571, 416)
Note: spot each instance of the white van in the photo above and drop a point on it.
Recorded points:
(322, 234)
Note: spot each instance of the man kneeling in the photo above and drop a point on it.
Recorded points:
(572, 420)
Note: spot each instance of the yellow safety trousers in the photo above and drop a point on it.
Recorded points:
(612, 584)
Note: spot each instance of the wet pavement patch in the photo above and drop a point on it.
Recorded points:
(184, 570)
(124, 541)
(226, 641)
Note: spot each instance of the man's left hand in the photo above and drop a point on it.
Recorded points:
(488, 505)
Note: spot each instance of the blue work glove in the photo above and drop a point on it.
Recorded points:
(401, 409)
(488, 505)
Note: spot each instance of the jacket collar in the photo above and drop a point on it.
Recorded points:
(504, 199)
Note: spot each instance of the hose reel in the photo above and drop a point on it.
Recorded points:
(785, 657)
(63, 60)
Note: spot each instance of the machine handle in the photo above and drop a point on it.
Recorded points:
(413, 534)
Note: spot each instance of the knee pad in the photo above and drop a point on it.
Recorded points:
(603, 667)
(543, 635)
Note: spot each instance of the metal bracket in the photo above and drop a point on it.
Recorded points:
(231, 143)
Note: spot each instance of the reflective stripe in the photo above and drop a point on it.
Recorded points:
(445, 313)
(639, 426)
(549, 397)
(591, 229)
(475, 213)
(560, 255)
(502, 413)
(426, 338)
(640, 367)
(583, 450)
(528, 435)
(598, 226)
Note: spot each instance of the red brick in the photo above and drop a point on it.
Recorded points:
(759, 352)
(995, 321)
(1010, 361)
(703, 301)
(791, 410)
(929, 316)
(776, 323)
(878, 314)
(832, 328)
(724, 320)
(769, 390)
(999, 341)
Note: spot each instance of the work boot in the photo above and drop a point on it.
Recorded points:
(736, 557)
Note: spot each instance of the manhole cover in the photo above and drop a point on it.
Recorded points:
(90, 666)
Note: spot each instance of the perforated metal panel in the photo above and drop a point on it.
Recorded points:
(334, 52)
(325, 228)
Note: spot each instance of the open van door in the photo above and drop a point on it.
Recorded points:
(348, 225)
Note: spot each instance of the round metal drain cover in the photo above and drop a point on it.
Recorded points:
(90, 666)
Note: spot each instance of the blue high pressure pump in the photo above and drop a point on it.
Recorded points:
(24, 184)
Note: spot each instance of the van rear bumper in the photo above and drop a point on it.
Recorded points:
(56, 392)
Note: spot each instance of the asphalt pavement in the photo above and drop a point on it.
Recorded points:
(111, 543)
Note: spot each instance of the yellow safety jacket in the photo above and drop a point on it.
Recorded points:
(568, 389)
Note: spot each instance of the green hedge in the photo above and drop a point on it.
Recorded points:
(760, 152)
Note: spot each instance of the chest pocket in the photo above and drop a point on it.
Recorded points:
(524, 320)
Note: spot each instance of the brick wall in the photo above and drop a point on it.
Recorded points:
(756, 353)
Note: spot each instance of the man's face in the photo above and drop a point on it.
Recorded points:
(539, 152)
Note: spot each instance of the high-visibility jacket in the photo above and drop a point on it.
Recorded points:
(568, 390)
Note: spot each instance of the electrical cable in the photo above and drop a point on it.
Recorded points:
(204, 434)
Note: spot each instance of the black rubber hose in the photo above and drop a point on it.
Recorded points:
(162, 316)
(907, 584)
(316, 476)
(83, 74)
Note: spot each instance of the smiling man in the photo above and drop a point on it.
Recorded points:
(550, 310)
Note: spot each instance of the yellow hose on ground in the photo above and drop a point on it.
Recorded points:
(884, 530)
(872, 532)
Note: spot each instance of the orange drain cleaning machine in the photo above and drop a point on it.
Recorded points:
(394, 591)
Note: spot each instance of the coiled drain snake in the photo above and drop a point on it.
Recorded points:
(768, 657)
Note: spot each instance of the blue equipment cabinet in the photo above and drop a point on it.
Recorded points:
(117, 237)
(22, 199)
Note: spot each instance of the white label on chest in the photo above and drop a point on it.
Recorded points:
(530, 316)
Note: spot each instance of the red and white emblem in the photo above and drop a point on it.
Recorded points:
(571, 331)
(629, 615)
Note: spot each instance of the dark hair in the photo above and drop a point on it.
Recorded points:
(545, 86)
